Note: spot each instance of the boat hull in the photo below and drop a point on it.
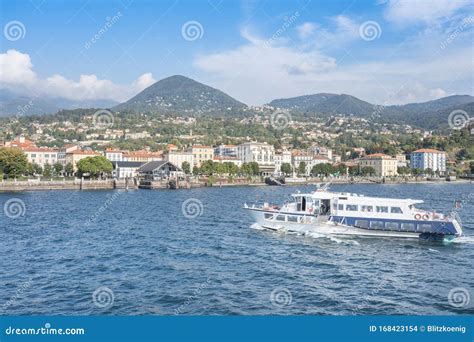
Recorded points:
(314, 225)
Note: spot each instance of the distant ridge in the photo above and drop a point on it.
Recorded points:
(182, 95)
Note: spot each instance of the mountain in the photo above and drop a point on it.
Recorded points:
(436, 119)
(182, 95)
(429, 115)
(430, 106)
(302, 103)
(12, 104)
(326, 103)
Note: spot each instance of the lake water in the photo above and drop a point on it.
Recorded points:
(139, 253)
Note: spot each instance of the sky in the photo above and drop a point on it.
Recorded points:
(384, 52)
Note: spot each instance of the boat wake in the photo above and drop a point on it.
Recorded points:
(256, 226)
(464, 240)
(347, 241)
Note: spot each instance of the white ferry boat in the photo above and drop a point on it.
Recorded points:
(342, 213)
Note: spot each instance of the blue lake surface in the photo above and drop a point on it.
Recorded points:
(153, 258)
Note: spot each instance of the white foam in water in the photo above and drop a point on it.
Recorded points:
(433, 250)
(315, 235)
(256, 226)
(464, 239)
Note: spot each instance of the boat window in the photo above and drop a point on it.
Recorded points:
(268, 216)
(340, 206)
(408, 226)
(391, 225)
(396, 210)
(367, 208)
(376, 224)
(424, 226)
(362, 223)
(292, 218)
(280, 218)
(351, 207)
(381, 209)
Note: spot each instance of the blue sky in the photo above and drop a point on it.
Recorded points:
(381, 51)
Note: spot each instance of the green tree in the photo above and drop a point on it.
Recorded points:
(208, 167)
(186, 167)
(245, 169)
(58, 168)
(403, 170)
(255, 168)
(286, 168)
(13, 161)
(232, 169)
(69, 169)
(325, 169)
(34, 169)
(302, 168)
(47, 170)
(367, 171)
(94, 166)
(471, 166)
(220, 168)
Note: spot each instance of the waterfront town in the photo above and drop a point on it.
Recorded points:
(79, 144)
(249, 158)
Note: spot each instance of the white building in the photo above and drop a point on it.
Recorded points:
(114, 155)
(126, 169)
(223, 159)
(282, 158)
(177, 158)
(261, 153)
(41, 155)
(298, 158)
(226, 150)
(201, 154)
(321, 151)
(401, 160)
(428, 159)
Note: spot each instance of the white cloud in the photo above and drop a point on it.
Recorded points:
(16, 73)
(428, 12)
(342, 30)
(144, 81)
(307, 29)
(416, 92)
(256, 73)
(16, 67)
